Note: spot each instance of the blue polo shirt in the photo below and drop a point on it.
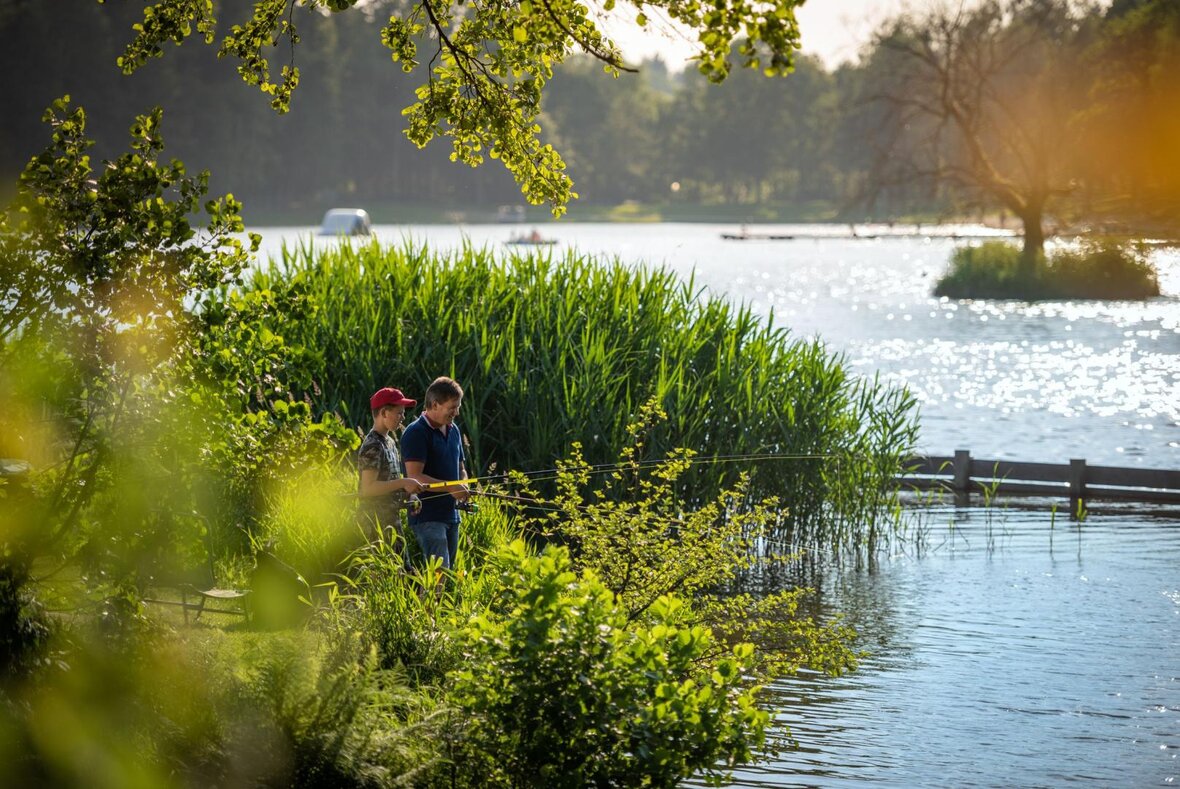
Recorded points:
(441, 456)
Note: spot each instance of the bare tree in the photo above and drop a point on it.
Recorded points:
(982, 101)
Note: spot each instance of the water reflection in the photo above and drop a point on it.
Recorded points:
(1013, 655)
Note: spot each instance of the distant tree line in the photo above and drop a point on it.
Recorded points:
(1077, 123)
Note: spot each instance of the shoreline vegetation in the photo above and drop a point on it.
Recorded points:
(542, 341)
(814, 212)
(187, 419)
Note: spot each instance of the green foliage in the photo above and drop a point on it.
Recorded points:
(98, 268)
(992, 270)
(1098, 269)
(488, 65)
(1104, 269)
(125, 394)
(412, 617)
(25, 627)
(328, 717)
(633, 529)
(212, 708)
(307, 521)
(564, 690)
(556, 351)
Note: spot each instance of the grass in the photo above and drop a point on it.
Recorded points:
(553, 350)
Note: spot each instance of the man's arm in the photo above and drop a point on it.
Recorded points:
(414, 469)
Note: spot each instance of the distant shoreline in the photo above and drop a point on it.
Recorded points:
(814, 212)
(735, 215)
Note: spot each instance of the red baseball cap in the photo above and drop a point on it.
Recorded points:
(389, 396)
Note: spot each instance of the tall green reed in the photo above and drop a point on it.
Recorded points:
(553, 350)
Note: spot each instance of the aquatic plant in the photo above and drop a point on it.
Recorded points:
(553, 351)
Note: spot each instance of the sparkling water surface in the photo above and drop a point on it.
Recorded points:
(1019, 651)
(1008, 647)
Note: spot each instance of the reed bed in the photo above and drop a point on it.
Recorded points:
(557, 349)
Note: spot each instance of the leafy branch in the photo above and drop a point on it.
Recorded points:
(484, 85)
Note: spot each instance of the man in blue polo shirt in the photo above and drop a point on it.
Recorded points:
(433, 453)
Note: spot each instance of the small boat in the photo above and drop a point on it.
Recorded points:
(756, 237)
(531, 239)
(346, 222)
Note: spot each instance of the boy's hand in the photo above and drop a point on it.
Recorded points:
(411, 485)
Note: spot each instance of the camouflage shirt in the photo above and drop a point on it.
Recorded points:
(379, 452)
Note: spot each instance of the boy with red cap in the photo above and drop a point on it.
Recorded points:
(382, 488)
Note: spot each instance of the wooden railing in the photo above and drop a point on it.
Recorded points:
(1079, 481)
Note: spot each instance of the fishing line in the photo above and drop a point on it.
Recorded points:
(545, 475)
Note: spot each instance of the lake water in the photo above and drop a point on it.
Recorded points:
(1018, 653)
(1013, 648)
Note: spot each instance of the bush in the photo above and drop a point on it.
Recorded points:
(208, 708)
(1104, 269)
(563, 690)
(413, 628)
(642, 541)
(1099, 269)
(992, 270)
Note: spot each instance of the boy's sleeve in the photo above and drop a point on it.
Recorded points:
(414, 444)
(369, 457)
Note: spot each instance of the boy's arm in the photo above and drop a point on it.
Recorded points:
(414, 470)
(371, 486)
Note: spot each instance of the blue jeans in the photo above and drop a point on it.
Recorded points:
(438, 539)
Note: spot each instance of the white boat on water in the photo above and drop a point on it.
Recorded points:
(346, 222)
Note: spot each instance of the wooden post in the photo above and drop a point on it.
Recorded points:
(962, 468)
(962, 480)
(1077, 484)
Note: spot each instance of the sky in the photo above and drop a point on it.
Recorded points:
(832, 29)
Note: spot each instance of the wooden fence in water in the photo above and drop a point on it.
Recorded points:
(1077, 480)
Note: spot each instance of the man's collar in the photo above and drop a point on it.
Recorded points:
(432, 426)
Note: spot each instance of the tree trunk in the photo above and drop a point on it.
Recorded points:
(1034, 237)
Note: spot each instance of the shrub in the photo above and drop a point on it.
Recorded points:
(992, 270)
(149, 411)
(1098, 269)
(563, 690)
(413, 628)
(1104, 269)
(642, 541)
(209, 708)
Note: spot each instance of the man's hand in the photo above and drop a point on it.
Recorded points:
(462, 493)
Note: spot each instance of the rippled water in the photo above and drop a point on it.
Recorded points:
(1014, 655)
(1044, 382)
